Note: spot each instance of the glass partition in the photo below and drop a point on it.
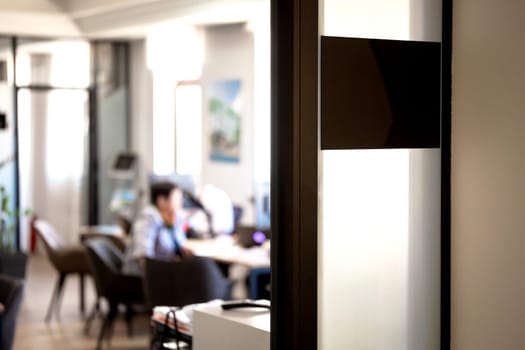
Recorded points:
(111, 66)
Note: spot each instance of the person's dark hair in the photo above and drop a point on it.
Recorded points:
(161, 189)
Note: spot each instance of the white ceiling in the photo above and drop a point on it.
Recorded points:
(116, 18)
(29, 5)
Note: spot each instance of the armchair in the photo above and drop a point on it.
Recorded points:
(66, 260)
(189, 281)
(117, 288)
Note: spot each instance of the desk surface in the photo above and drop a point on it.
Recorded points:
(224, 249)
(113, 230)
(253, 317)
(214, 328)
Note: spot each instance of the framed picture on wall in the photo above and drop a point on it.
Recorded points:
(224, 105)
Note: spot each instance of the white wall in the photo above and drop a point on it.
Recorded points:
(488, 172)
(229, 55)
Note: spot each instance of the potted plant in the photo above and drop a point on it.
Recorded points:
(12, 261)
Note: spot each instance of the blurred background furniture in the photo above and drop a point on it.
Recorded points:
(11, 290)
(116, 288)
(189, 281)
(115, 233)
(237, 215)
(237, 328)
(235, 261)
(66, 260)
(224, 249)
(259, 280)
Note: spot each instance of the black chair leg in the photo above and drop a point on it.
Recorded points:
(61, 282)
(129, 317)
(82, 294)
(107, 325)
(93, 313)
(52, 301)
(55, 296)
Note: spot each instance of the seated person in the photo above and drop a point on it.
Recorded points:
(157, 231)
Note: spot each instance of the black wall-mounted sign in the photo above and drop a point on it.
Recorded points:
(3, 71)
(380, 93)
(3, 121)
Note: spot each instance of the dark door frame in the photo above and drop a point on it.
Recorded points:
(294, 157)
(295, 129)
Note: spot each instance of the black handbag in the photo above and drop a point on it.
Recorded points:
(163, 333)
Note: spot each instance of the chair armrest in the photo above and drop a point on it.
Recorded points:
(71, 259)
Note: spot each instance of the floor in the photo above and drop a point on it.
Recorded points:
(68, 332)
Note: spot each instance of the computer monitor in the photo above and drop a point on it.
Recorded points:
(123, 166)
(3, 120)
(250, 236)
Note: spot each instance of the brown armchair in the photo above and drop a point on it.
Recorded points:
(66, 260)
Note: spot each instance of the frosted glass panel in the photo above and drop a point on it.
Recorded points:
(364, 249)
(379, 249)
(379, 212)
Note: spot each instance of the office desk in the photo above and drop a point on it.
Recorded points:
(223, 249)
(238, 263)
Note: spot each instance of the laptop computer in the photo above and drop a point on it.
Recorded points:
(250, 236)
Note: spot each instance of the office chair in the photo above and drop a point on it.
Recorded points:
(106, 262)
(11, 290)
(178, 283)
(66, 260)
(259, 281)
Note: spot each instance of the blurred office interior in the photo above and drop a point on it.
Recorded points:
(83, 82)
